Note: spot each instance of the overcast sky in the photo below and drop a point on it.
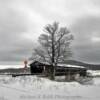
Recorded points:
(22, 21)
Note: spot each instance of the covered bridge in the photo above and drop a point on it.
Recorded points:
(60, 69)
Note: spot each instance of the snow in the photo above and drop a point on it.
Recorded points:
(94, 72)
(67, 65)
(22, 66)
(11, 66)
(36, 88)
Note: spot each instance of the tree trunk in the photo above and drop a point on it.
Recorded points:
(52, 73)
(52, 70)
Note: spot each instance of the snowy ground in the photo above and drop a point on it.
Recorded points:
(36, 88)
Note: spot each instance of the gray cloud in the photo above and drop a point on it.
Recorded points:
(13, 26)
(85, 31)
(22, 21)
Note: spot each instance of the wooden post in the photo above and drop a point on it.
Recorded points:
(67, 77)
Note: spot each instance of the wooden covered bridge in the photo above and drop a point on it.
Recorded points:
(70, 71)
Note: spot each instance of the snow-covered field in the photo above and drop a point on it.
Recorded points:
(36, 88)
(95, 73)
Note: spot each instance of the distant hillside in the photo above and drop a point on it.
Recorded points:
(89, 66)
(72, 62)
(13, 70)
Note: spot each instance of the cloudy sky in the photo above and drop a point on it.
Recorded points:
(22, 21)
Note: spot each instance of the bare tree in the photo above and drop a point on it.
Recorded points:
(54, 46)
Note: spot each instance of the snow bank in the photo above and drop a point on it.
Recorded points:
(36, 88)
(95, 73)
